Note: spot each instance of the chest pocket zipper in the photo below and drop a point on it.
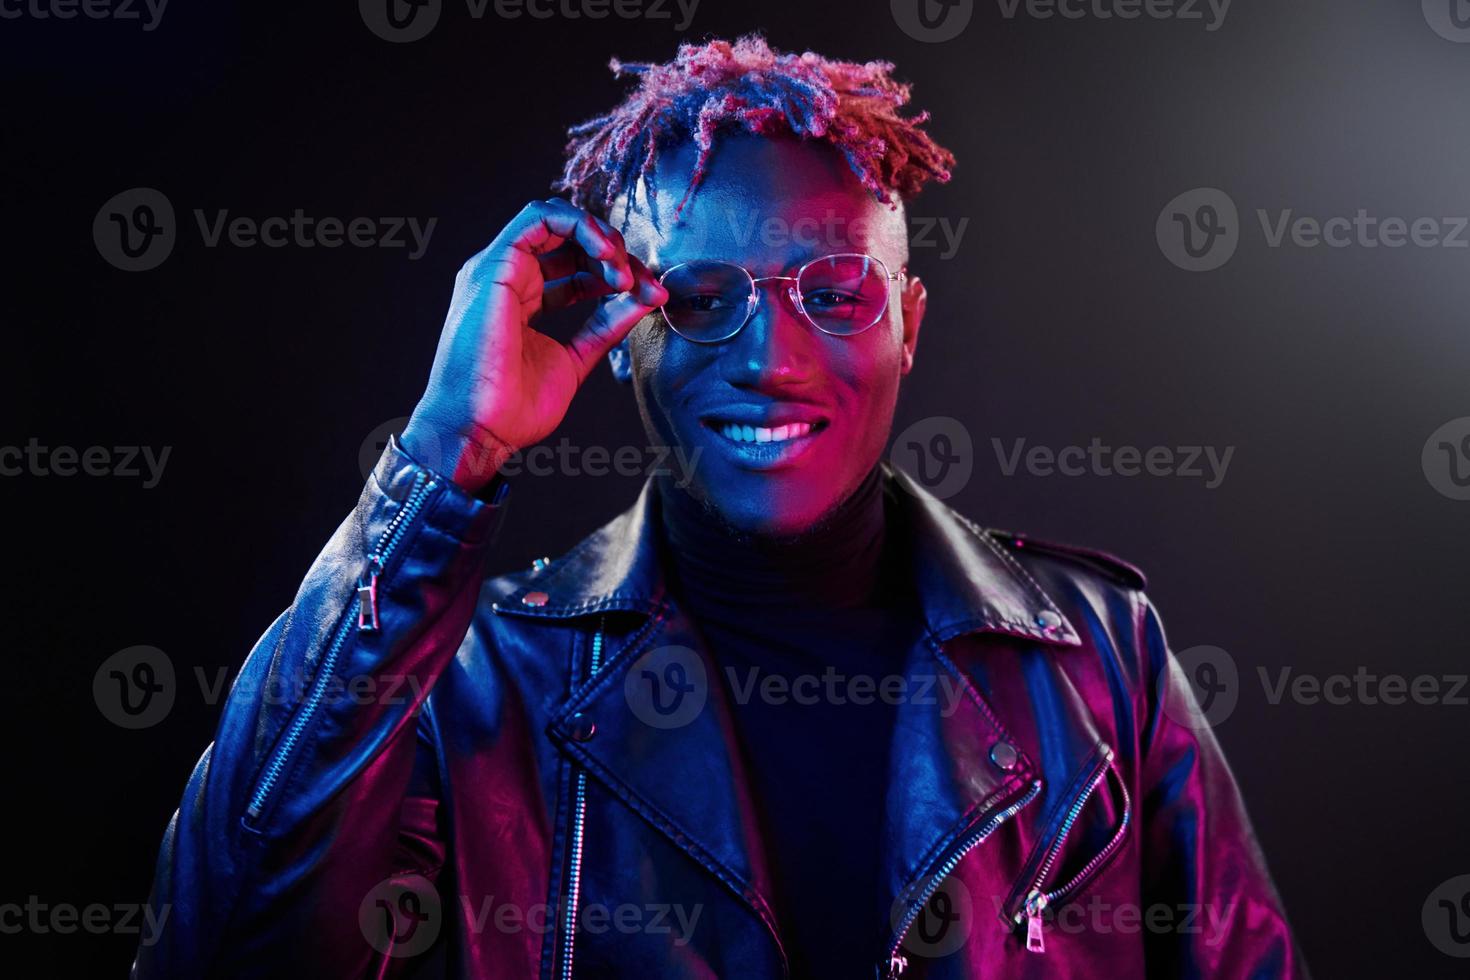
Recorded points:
(1041, 895)
(579, 822)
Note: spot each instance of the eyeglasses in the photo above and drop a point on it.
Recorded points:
(842, 295)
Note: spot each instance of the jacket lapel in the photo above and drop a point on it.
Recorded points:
(677, 764)
(665, 743)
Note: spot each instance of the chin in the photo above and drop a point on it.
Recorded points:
(769, 510)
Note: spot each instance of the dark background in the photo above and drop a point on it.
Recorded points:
(1059, 319)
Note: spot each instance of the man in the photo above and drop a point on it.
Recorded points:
(795, 718)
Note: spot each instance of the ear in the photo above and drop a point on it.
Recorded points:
(912, 300)
(621, 361)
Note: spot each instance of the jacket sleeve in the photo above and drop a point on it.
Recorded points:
(1200, 858)
(319, 784)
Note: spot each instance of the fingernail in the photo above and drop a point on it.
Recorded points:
(656, 294)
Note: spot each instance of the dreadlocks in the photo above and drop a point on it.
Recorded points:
(749, 87)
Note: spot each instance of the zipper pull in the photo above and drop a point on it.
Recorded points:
(367, 598)
(896, 966)
(1035, 939)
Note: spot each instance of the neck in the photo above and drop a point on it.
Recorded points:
(836, 563)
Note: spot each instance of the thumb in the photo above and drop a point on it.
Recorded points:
(606, 328)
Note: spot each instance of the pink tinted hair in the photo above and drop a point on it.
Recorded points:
(749, 87)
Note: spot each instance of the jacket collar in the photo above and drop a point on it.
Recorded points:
(966, 581)
(966, 584)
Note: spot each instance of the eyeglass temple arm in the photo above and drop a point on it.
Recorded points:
(891, 277)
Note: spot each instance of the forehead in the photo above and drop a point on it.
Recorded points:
(767, 204)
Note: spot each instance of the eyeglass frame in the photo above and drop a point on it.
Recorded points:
(753, 300)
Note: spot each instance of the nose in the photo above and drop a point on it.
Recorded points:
(776, 347)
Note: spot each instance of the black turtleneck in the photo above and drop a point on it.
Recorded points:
(800, 619)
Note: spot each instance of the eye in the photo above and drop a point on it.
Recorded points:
(829, 298)
(711, 302)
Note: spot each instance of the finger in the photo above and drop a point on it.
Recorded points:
(573, 289)
(604, 330)
(583, 285)
(621, 256)
(567, 260)
(647, 286)
(545, 225)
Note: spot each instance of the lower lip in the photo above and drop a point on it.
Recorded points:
(766, 455)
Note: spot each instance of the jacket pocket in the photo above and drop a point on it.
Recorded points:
(1093, 830)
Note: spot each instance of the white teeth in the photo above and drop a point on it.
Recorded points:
(760, 433)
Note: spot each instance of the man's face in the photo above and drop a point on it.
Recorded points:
(770, 205)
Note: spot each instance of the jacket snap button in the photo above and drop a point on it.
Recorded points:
(1004, 755)
(535, 598)
(1048, 620)
(583, 728)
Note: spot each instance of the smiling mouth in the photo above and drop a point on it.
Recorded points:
(753, 434)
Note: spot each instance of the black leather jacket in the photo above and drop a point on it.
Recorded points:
(350, 822)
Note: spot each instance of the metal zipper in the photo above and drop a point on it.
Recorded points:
(579, 819)
(364, 610)
(1037, 899)
(897, 963)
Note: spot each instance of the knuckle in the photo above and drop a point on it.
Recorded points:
(476, 263)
